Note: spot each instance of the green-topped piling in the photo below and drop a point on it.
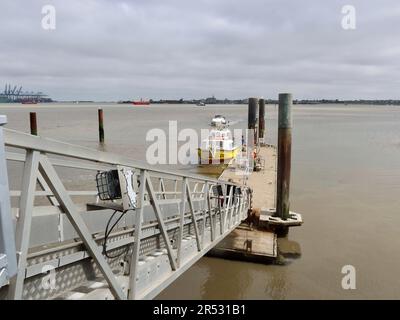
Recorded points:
(284, 155)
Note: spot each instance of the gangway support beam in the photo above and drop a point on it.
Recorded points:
(178, 219)
(23, 227)
(56, 186)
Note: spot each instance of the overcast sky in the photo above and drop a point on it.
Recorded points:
(111, 50)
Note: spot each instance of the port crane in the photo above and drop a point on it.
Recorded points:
(17, 95)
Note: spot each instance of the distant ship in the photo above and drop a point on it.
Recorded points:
(141, 103)
(26, 101)
(218, 120)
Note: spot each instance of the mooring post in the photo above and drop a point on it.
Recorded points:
(33, 123)
(252, 116)
(284, 155)
(101, 125)
(261, 118)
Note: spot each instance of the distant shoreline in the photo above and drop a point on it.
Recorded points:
(229, 102)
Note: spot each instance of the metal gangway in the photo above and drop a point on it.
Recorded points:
(60, 240)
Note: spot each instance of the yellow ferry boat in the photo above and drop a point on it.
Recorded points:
(218, 148)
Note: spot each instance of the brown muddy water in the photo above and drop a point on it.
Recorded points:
(345, 182)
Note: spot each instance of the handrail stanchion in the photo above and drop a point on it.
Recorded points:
(7, 238)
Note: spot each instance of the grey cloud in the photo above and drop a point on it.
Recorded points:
(108, 50)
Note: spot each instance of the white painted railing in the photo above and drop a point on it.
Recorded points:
(60, 229)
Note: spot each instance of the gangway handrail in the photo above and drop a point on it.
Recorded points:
(19, 139)
(187, 221)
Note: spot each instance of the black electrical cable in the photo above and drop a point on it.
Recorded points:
(108, 232)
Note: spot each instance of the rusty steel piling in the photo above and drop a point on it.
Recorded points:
(33, 123)
(101, 125)
(261, 118)
(284, 155)
(252, 116)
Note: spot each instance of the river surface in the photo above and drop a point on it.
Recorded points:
(345, 182)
